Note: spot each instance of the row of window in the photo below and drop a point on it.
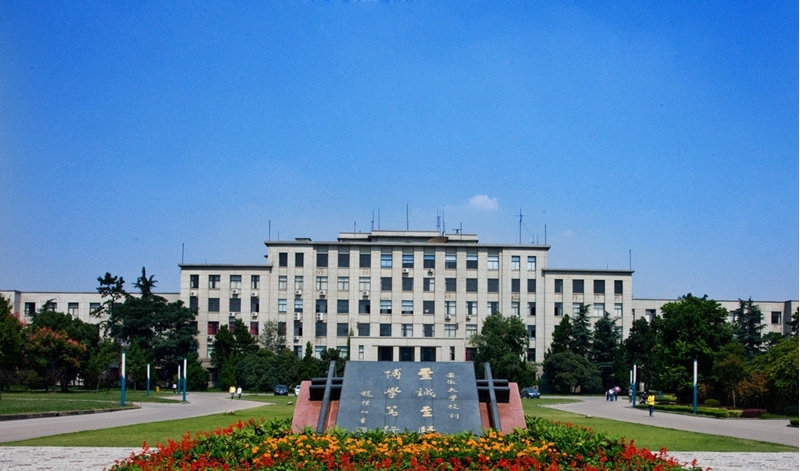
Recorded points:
(214, 281)
(406, 260)
(73, 309)
(407, 284)
(578, 286)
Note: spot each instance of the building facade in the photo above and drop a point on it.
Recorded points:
(396, 295)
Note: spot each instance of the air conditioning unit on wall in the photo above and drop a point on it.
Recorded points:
(298, 292)
(320, 317)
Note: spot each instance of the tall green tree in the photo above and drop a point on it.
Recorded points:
(605, 347)
(748, 322)
(730, 369)
(581, 332)
(10, 343)
(688, 329)
(503, 343)
(639, 348)
(53, 356)
(562, 337)
(780, 364)
(568, 372)
(272, 337)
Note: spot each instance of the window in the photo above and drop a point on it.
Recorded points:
(469, 353)
(386, 283)
(427, 330)
(343, 259)
(577, 286)
(531, 285)
(360, 352)
(298, 305)
(194, 302)
(282, 329)
(30, 309)
(342, 329)
(282, 283)
(515, 308)
(255, 304)
(254, 329)
(472, 261)
(515, 285)
(213, 304)
(428, 284)
(776, 317)
(406, 353)
(407, 330)
(493, 285)
(386, 306)
(213, 281)
(449, 284)
(194, 281)
(385, 353)
(408, 284)
(342, 306)
(472, 285)
(386, 260)
(617, 286)
(559, 285)
(322, 259)
(282, 305)
(255, 281)
(298, 328)
(363, 283)
(72, 309)
(363, 306)
(531, 263)
(450, 330)
(213, 327)
(450, 261)
(618, 310)
(650, 313)
(472, 308)
(322, 283)
(321, 330)
(236, 281)
(235, 304)
(515, 262)
(428, 307)
(427, 353)
(532, 309)
(470, 330)
(321, 305)
(429, 260)
(318, 351)
(363, 329)
(364, 259)
(558, 310)
(599, 286)
(531, 354)
(298, 282)
(407, 306)
(94, 307)
(283, 259)
(576, 309)
(343, 283)
(599, 309)
(450, 308)
(408, 260)
(298, 259)
(385, 330)
(493, 262)
(492, 307)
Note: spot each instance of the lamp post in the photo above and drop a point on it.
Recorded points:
(148, 380)
(694, 388)
(122, 382)
(184, 379)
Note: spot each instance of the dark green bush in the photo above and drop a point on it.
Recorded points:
(711, 403)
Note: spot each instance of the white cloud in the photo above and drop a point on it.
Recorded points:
(483, 202)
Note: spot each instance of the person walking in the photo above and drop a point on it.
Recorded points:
(232, 390)
(239, 392)
(651, 403)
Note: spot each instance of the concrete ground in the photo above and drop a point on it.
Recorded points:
(47, 458)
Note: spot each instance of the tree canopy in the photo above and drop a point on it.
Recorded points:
(503, 343)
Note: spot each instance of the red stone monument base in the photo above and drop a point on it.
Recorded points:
(306, 412)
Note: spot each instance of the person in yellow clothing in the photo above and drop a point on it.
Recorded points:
(651, 403)
(232, 390)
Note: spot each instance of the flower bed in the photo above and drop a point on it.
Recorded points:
(544, 445)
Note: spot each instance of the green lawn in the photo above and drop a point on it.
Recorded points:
(653, 438)
(650, 437)
(36, 402)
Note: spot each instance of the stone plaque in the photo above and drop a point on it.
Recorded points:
(409, 396)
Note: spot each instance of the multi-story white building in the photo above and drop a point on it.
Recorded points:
(398, 295)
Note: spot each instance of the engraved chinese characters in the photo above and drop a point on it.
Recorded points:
(396, 397)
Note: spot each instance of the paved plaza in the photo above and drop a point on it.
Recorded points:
(198, 404)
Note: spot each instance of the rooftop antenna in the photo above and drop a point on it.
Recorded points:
(354, 227)
(372, 223)
(520, 226)
(438, 223)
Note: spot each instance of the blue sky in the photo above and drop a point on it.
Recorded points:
(663, 130)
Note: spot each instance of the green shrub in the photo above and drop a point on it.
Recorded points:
(711, 403)
(793, 422)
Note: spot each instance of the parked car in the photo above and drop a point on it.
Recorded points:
(281, 390)
(530, 393)
(297, 390)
